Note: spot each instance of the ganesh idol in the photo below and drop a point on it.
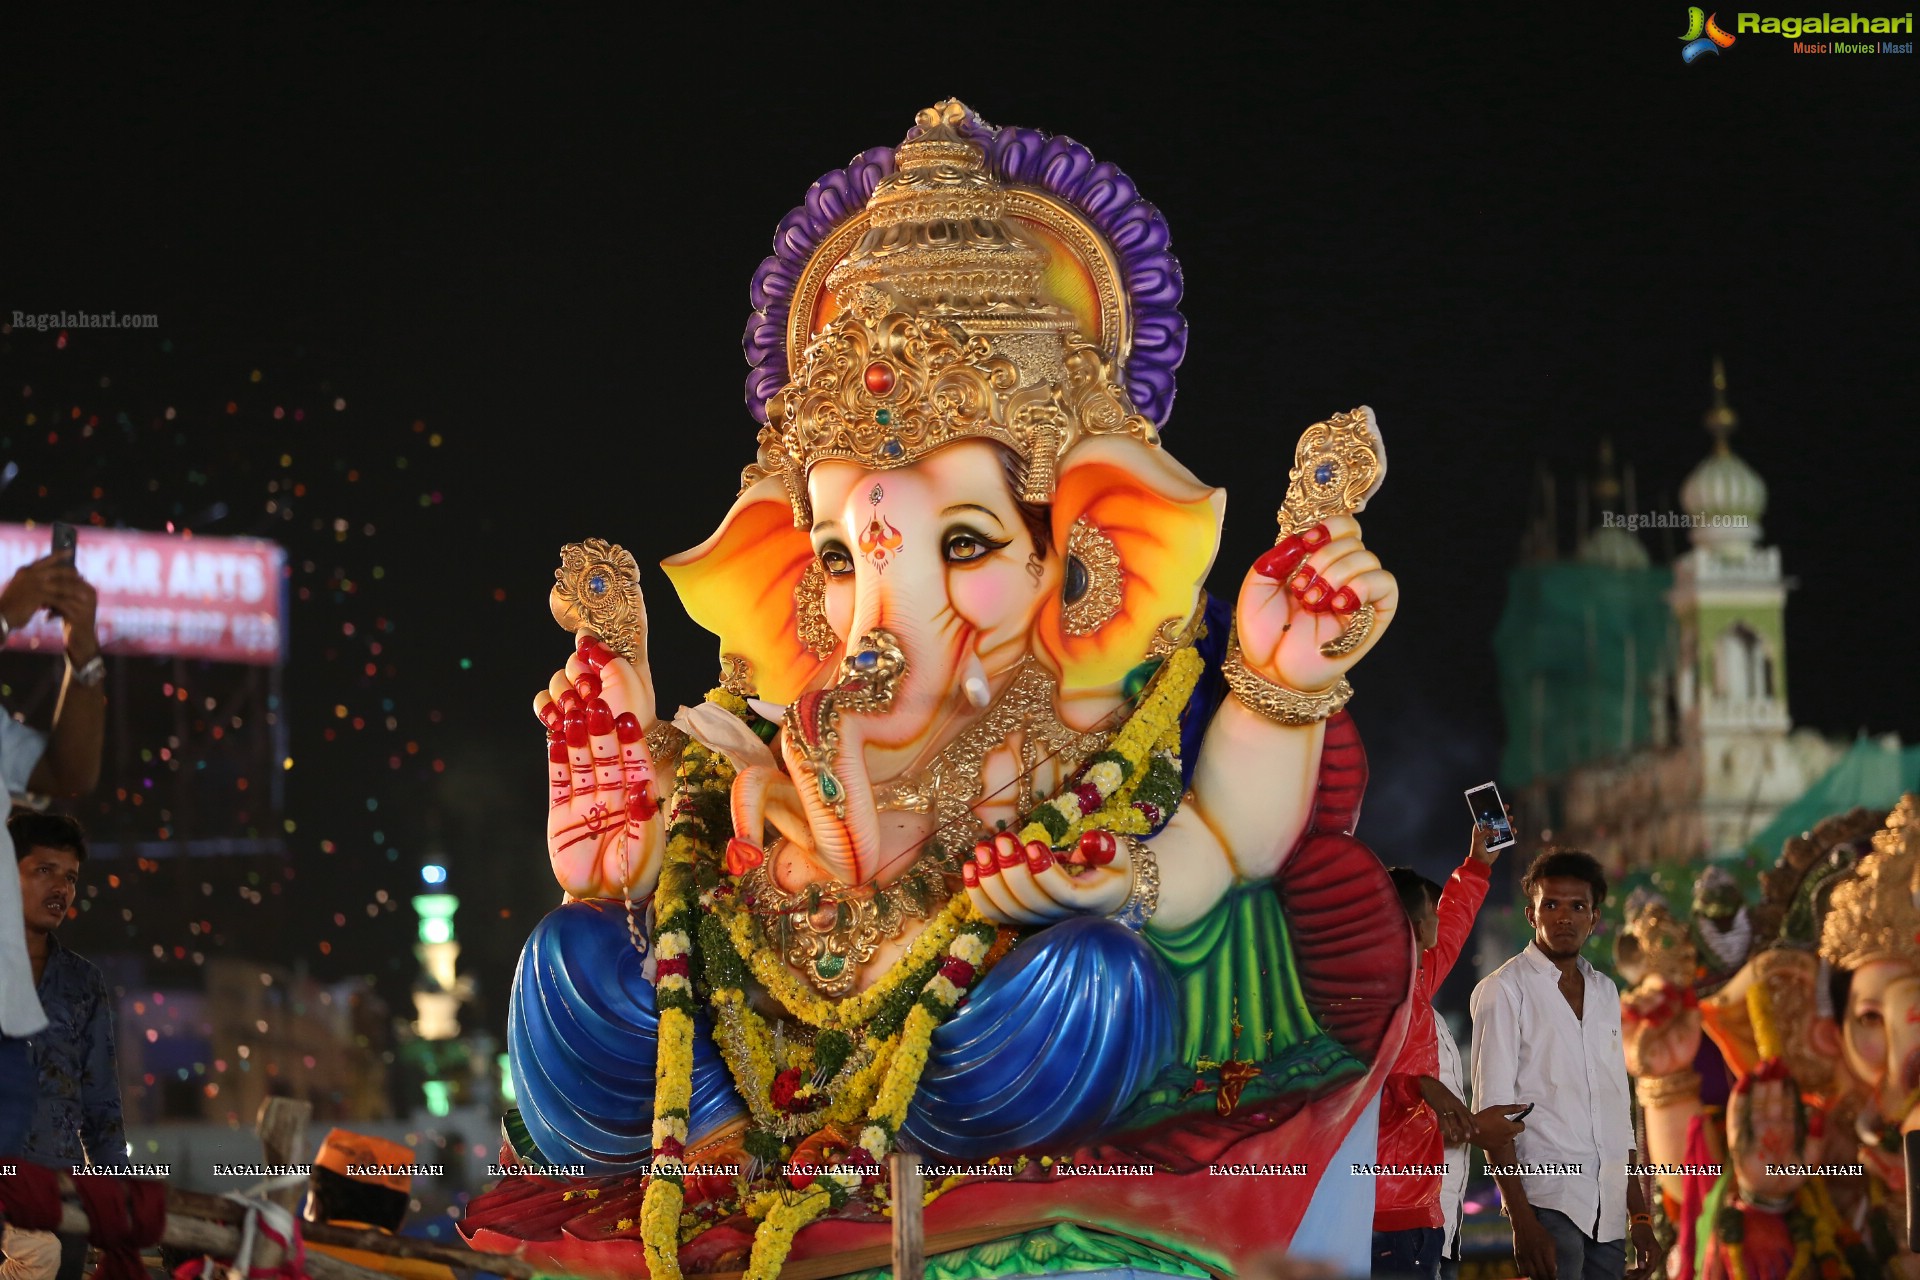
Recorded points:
(1000, 841)
(1819, 1026)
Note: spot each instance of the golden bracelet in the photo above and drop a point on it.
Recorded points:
(1143, 899)
(1663, 1091)
(1277, 702)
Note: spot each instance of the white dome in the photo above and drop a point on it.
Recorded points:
(1724, 485)
(1724, 496)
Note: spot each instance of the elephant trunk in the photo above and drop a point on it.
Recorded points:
(881, 711)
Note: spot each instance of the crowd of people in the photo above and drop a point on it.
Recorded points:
(59, 1085)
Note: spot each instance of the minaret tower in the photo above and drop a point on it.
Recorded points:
(1729, 600)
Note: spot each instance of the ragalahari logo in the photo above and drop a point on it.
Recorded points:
(1713, 40)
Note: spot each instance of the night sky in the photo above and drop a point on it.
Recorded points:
(529, 239)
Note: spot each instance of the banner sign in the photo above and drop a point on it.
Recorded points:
(219, 599)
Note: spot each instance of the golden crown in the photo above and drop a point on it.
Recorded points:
(1875, 913)
(947, 334)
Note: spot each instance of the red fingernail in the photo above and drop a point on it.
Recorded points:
(588, 684)
(570, 700)
(556, 751)
(969, 875)
(641, 806)
(595, 654)
(990, 869)
(549, 715)
(1097, 848)
(1303, 580)
(983, 853)
(1010, 851)
(1316, 537)
(599, 717)
(576, 722)
(627, 725)
(1039, 856)
(1282, 560)
(1345, 600)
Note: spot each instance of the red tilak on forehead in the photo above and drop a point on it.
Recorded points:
(880, 540)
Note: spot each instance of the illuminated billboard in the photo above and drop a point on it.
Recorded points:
(220, 599)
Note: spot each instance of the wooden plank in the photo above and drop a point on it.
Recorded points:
(282, 1126)
(909, 1223)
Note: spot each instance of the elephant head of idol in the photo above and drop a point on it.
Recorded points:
(1871, 937)
(959, 525)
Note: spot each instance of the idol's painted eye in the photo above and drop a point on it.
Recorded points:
(1868, 1017)
(835, 560)
(964, 545)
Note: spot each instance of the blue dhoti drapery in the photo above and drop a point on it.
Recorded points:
(1046, 1051)
(581, 1035)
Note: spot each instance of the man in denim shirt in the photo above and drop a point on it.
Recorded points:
(77, 1119)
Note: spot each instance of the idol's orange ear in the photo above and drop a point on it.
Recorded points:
(1163, 527)
(739, 585)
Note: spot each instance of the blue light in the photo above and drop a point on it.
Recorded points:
(433, 874)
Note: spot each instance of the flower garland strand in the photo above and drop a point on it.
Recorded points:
(700, 776)
(773, 1238)
(1107, 796)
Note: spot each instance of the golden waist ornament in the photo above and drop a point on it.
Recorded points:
(829, 929)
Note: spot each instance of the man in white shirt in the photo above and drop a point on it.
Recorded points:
(1546, 1030)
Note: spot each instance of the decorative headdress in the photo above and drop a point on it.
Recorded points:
(972, 283)
(979, 294)
(1654, 944)
(1875, 915)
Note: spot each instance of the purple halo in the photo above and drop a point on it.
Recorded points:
(1059, 166)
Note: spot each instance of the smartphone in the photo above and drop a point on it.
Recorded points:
(65, 536)
(1522, 1113)
(1488, 809)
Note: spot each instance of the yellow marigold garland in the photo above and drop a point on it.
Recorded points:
(774, 1236)
(796, 998)
(1104, 799)
(699, 771)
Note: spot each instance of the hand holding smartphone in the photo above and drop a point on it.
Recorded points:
(1490, 811)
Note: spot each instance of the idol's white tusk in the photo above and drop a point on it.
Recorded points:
(770, 711)
(973, 682)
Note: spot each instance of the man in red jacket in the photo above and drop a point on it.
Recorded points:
(1419, 1116)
